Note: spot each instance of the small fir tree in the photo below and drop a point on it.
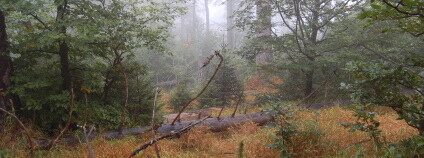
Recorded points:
(179, 97)
(224, 89)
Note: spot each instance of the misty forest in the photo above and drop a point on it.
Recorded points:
(211, 78)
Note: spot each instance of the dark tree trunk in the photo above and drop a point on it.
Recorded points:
(64, 61)
(64, 50)
(421, 125)
(5, 68)
(313, 38)
(309, 82)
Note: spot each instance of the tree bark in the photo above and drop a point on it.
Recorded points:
(217, 125)
(230, 24)
(309, 80)
(421, 124)
(64, 50)
(264, 15)
(6, 68)
(207, 16)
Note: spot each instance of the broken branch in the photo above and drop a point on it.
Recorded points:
(206, 86)
(172, 135)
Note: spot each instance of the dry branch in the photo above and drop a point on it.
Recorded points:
(153, 122)
(171, 135)
(238, 102)
(87, 140)
(68, 123)
(207, 84)
(221, 124)
(29, 139)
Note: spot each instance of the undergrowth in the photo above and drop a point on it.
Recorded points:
(319, 134)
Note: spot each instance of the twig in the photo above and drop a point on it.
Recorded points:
(206, 86)
(31, 143)
(320, 86)
(153, 122)
(238, 102)
(87, 135)
(360, 142)
(68, 123)
(172, 135)
(219, 115)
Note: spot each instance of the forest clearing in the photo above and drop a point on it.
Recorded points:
(211, 78)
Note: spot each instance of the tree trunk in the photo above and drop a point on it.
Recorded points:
(309, 82)
(421, 124)
(5, 68)
(313, 38)
(217, 125)
(264, 15)
(230, 24)
(64, 51)
(207, 16)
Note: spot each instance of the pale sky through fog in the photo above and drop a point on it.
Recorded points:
(217, 14)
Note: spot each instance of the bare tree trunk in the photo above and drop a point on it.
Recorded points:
(230, 24)
(264, 17)
(207, 16)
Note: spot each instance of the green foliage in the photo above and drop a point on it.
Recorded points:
(4, 153)
(408, 14)
(179, 97)
(287, 128)
(102, 39)
(384, 84)
(366, 123)
(407, 148)
(224, 89)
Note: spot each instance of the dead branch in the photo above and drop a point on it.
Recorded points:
(238, 102)
(87, 140)
(28, 135)
(153, 122)
(219, 115)
(305, 98)
(360, 142)
(222, 124)
(207, 84)
(172, 135)
(68, 123)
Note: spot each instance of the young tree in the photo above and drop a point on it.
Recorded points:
(225, 88)
(179, 97)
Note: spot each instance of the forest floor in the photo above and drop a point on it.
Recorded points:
(321, 135)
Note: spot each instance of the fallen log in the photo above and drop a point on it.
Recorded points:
(217, 125)
(214, 124)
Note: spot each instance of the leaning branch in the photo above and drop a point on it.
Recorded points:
(207, 84)
(68, 123)
(31, 143)
(172, 135)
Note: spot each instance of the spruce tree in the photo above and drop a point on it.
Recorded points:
(179, 97)
(224, 89)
